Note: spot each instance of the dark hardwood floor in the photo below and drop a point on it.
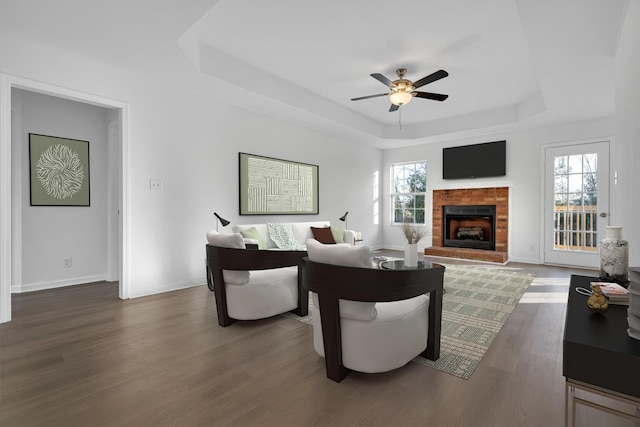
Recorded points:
(79, 356)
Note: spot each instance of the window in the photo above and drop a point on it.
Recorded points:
(576, 202)
(408, 192)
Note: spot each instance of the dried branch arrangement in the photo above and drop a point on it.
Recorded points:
(414, 232)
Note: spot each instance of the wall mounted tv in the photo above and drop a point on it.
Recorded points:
(475, 161)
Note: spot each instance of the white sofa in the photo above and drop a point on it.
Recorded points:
(301, 231)
(252, 284)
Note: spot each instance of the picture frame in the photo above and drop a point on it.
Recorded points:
(58, 171)
(270, 186)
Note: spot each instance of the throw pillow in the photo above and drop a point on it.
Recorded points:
(234, 240)
(323, 235)
(282, 236)
(347, 255)
(338, 234)
(253, 233)
(350, 256)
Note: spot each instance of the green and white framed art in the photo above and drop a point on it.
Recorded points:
(271, 186)
(59, 171)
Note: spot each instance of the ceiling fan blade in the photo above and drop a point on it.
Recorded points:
(369, 96)
(440, 74)
(429, 95)
(382, 79)
(393, 108)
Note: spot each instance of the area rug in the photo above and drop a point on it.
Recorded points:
(477, 302)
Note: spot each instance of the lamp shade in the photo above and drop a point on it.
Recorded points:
(344, 217)
(223, 221)
(400, 98)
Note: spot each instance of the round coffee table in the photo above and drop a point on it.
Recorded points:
(398, 264)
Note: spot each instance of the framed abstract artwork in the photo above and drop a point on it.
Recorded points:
(271, 186)
(58, 171)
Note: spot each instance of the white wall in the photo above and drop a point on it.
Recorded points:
(524, 161)
(51, 233)
(191, 142)
(524, 168)
(193, 147)
(627, 158)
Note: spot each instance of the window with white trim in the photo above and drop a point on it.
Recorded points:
(408, 192)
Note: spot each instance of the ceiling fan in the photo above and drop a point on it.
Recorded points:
(403, 90)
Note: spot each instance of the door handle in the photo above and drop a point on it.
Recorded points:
(603, 214)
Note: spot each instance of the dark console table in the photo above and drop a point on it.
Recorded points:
(598, 355)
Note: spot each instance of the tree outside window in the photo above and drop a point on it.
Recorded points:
(408, 192)
(576, 200)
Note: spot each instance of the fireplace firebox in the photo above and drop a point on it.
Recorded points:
(471, 226)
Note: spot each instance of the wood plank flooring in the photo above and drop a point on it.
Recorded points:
(79, 356)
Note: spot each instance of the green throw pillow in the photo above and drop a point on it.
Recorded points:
(338, 234)
(252, 233)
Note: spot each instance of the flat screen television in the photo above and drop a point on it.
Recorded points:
(475, 161)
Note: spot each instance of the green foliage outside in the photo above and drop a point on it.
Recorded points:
(409, 187)
(576, 180)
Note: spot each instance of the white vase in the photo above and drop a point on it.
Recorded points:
(614, 256)
(411, 255)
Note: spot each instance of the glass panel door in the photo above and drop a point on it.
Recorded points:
(577, 204)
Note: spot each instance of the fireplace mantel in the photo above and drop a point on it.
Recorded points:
(468, 185)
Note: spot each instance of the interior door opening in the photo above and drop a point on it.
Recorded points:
(118, 178)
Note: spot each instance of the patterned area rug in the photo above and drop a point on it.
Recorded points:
(477, 302)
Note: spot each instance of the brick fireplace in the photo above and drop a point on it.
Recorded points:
(483, 214)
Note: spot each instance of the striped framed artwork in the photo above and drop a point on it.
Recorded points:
(271, 186)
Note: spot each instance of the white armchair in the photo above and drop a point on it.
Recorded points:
(252, 284)
(367, 319)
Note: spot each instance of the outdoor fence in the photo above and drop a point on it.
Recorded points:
(575, 228)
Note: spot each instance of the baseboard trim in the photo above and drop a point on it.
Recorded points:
(535, 261)
(32, 287)
(173, 287)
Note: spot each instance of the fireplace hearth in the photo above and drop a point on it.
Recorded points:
(471, 226)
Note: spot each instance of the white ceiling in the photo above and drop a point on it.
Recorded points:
(511, 63)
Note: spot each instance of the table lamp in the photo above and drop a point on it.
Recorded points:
(344, 219)
(222, 221)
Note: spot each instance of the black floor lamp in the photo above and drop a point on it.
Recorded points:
(344, 219)
(222, 221)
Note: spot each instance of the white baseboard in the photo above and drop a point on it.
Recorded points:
(401, 248)
(31, 287)
(525, 260)
(174, 287)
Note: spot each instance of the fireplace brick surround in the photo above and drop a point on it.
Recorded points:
(498, 196)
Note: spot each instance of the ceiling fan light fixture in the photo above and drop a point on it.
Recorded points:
(400, 98)
(403, 90)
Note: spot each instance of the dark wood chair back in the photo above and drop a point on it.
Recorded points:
(334, 282)
(219, 259)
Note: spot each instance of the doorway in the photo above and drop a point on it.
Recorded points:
(118, 177)
(576, 202)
